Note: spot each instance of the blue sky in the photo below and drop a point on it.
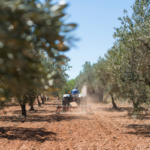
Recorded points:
(96, 20)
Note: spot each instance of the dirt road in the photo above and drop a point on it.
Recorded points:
(43, 130)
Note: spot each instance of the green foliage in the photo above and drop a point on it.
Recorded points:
(29, 31)
(125, 70)
(131, 55)
(86, 77)
(68, 86)
(29, 96)
(128, 59)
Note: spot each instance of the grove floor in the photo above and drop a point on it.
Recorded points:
(44, 130)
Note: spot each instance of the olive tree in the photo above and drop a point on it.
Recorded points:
(27, 28)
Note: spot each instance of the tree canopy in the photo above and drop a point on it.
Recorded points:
(124, 72)
(30, 31)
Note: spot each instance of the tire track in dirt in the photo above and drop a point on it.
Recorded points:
(74, 131)
(118, 133)
(114, 136)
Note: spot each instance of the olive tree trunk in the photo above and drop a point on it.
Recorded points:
(113, 102)
(42, 99)
(31, 108)
(39, 104)
(23, 107)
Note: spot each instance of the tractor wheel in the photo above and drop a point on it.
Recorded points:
(65, 101)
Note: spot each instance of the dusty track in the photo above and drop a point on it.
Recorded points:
(42, 130)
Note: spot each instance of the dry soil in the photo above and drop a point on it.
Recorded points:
(44, 130)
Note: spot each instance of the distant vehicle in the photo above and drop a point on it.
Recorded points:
(80, 99)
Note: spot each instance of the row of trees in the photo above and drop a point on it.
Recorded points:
(124, 72)
(33, 39)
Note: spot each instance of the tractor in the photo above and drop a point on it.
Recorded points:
(78, 98)
(72, 101)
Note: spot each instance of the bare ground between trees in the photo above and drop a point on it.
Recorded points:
(42, 130)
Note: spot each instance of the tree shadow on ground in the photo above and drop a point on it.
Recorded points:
(130, 115)
(42, 118)
(32, 112)
(12, 104)
(52, 104)
(16, 112)
(139, 129)
(45, 111)
(120, 109)
(30, 134)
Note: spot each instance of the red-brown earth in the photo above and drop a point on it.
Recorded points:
(44, 130)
